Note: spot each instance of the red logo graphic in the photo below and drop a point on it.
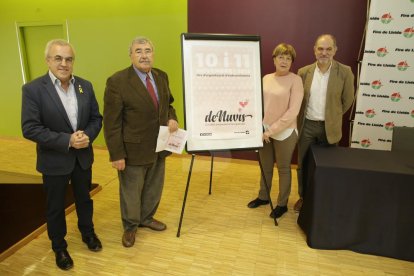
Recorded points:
(402, 65)
(389, 125)
(370, 113)
(409, 32)
(376, 84)
(365, 143)
(382, 52)
(395, 97)
(243, 104)
(386, 18)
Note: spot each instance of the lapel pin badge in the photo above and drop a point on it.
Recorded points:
(80, 89)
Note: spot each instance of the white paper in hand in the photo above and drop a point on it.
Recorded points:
(173, 142)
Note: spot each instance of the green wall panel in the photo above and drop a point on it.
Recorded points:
(101, 32)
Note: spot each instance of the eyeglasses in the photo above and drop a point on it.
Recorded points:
(60, 59)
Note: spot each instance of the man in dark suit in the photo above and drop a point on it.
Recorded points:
(137, 102)
(60, 113)
(329, 93)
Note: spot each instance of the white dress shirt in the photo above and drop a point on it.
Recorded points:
(68, 98)
(317, 101)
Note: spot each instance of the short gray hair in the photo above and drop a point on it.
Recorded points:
(328, 35)
(141, 40)
(60, 42)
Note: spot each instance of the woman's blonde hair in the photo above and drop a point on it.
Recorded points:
(284, 49)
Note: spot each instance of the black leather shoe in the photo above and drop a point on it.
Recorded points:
(93, 243)
(257, 202)
(278, 211)
(63, 260)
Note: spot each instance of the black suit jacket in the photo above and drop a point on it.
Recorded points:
(44, 121)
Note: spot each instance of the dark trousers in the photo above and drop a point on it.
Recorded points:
(55, 187)
(313, 132)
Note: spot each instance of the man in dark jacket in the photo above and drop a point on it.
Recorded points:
(61, 115)
(137, 102)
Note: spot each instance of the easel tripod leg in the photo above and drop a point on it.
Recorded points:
(185, 195)
(211, 172)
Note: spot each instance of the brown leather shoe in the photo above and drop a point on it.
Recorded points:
(128, 238)
(298, 205)
(155, 225)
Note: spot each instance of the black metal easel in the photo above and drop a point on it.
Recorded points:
(209, 192)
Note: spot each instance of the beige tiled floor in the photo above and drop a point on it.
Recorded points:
(219, 235)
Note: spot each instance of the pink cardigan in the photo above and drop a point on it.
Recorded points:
(282, 96)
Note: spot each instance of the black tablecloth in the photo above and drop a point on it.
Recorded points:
(361, 200)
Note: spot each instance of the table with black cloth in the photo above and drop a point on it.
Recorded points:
(361, 200)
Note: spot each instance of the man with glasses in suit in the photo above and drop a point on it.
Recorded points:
(61, 115)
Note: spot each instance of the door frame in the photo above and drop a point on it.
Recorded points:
(21, 43)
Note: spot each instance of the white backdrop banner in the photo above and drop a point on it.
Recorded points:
(386, 90)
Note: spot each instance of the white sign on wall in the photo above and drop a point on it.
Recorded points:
(386, 90)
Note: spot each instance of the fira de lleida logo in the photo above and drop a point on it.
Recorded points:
(409, 32)
(369, 113)
(402, 66)
(365, 143)
(389, 125)
(376, 84)
(382, 52)
(395, 97)
(386, 18)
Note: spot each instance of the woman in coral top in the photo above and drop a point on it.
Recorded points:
(282, 95)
